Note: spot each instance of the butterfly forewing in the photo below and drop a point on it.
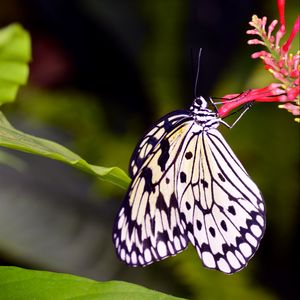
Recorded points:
(149, 226)
(153, 137)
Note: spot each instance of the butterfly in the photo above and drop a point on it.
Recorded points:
(189, 187)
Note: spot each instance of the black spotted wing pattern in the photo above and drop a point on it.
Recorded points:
(224, 212)
(153, 137)
(148, 227)
(188, 186)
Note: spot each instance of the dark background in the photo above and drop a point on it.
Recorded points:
(101, 73)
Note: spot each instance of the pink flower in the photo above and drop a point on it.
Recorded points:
(284, 66)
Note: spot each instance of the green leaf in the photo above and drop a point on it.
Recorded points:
(19, 284)
(15, 53)
(17, 140)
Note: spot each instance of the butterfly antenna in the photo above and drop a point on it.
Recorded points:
(197, 74)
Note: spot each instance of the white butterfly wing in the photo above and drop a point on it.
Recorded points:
(188, 185)
(153, 137)
(222, 207)
(148, 227)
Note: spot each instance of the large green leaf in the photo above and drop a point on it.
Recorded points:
(19, 284)
(15, 53)
(15, 139)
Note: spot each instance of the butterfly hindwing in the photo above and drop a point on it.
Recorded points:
(148, 227)
(223, 208)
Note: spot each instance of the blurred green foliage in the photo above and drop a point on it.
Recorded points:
(15, 53)
(161, 57)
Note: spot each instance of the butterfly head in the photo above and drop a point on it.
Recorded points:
(200, 103)
(204, 116)
(200, 106)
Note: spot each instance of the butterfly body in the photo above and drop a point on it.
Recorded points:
(188, 186)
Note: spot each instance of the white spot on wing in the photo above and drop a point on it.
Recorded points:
(147, 255)
(177, 243)
(261, 206)
(251, 239)
(127, 258)
(240, 257)
(246, 249)
(256, 230)
(141, 260)
(121, 221)
(134, 169)
(260, 220)
(161, 249)
(223, 265)
(133, 257)
(123, 255)
(233, 260)
(208, 259)
(121, 211)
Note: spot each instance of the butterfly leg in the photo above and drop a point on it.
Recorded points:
(248, 105)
